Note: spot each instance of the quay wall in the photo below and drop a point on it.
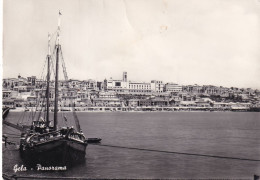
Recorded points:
(140, 109)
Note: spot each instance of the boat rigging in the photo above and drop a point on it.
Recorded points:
(44, 141)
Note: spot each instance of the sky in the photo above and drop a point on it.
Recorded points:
(201, 42)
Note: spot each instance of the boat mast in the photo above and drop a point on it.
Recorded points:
(57, 46)
(48, 81)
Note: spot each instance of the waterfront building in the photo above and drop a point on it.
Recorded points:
(203, 103)
(133, 102)
(158, 101)
(221, 105)
(174, 102)
(79, 98)
(246, 105)
(188, 103)
(17, 91)
(145, 102)
(107, 102)
(69, 96)
(107, 98)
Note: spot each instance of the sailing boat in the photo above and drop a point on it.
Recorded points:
(44, 142)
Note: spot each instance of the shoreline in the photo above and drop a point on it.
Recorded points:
(141, 109)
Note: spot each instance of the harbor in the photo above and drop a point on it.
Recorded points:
(137, 145)
(130, 89)
(145, 109)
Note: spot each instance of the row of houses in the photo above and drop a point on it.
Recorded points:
(111, 99)
(124, 86)
(20, 91)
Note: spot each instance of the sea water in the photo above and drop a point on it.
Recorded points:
(129, 136)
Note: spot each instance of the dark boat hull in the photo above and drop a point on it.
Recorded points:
(5, 112)
(93, 140)
(57, 152)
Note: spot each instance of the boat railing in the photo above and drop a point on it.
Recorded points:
(46, 136)
(77, 136)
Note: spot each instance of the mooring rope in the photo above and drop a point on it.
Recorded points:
(181, 153)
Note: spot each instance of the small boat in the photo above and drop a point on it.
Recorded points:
(64, 109)
(93, 140)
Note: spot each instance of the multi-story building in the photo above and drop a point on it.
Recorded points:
(172, 87)
(130, 87)
(139, 88)
(117, 85)
(107, 98)
(6, 94)
(8, 103)
(22, 91)
(10, 83)
(127, 87)
(73, 83)
(133, 102)
(107, 94)
(196, 89)
(157, 86)
(100, 86)
(89, 84)
(39, 83)
(31, 80)
(145, 102)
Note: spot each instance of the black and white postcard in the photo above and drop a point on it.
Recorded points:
(127, 89)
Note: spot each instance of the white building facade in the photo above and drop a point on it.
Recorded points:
(173, 87)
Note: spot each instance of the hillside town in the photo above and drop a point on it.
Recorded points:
(126, 95)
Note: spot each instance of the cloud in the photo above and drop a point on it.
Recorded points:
(203, 42)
